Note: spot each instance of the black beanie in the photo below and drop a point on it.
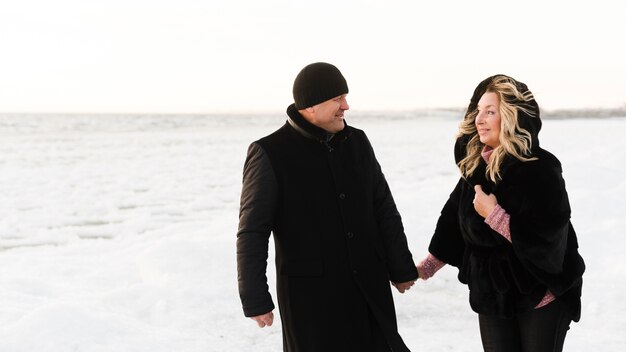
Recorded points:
(317, 83)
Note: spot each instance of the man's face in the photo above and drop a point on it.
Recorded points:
(328, 115)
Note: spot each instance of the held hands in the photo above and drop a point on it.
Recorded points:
(484, 203)
(403, 286)
(264, 319)
(421, 273)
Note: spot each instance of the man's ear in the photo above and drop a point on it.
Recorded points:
(310, 110)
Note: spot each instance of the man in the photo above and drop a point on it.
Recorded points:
(316, 184)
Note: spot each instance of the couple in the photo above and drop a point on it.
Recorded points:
(316, 184)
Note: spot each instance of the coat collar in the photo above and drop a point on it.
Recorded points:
(311, 131)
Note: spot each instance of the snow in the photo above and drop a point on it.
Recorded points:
(117, 233)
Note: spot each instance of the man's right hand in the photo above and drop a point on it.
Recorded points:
(264, 319)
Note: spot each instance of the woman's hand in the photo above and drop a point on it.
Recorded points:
(484, 203)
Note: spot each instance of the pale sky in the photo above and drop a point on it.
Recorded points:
(205, 56)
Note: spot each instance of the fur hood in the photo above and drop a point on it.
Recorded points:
(530, 122)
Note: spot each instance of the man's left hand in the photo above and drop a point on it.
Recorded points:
(403, 286)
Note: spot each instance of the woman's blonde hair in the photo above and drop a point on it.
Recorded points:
(514, 140)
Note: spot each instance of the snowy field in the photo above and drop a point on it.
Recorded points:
(117, 233)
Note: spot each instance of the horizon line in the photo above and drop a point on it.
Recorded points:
(266, 112)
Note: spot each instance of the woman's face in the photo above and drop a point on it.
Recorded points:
(488, 119)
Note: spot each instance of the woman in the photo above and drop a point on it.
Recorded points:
(506, 225)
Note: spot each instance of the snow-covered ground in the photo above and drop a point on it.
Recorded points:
(117, 233)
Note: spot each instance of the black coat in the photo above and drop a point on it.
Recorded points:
(506, 278)
(338, 237)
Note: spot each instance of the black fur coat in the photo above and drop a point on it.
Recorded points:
(504, 277)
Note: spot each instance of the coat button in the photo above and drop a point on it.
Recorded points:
(342, 196)
(350, 234)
